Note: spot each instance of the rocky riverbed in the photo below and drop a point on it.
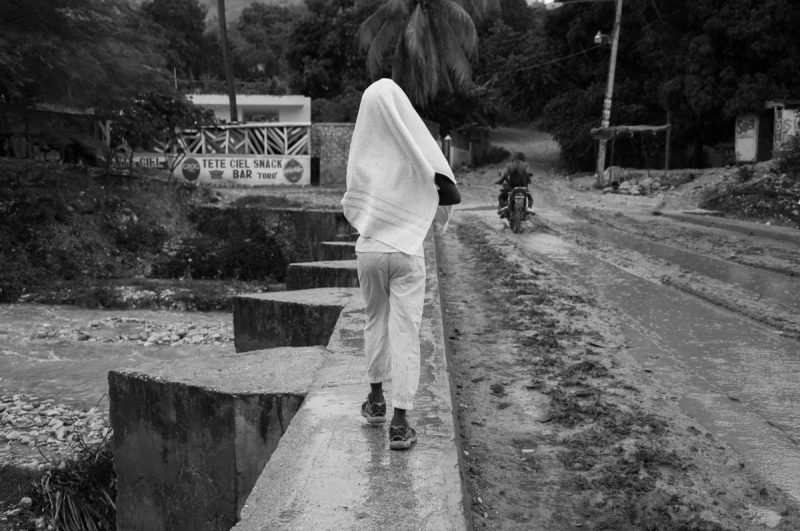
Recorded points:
(40, 432)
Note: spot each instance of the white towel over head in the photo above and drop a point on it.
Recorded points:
(391, 196)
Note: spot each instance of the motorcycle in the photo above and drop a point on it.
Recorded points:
(517, 207)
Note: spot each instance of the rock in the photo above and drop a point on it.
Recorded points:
(25, 503)
(765, 517)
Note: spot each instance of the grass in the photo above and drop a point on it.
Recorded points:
(79, 494)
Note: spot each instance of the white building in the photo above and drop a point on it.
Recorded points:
(259, 108)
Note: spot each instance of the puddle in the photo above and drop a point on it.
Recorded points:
(735, 377)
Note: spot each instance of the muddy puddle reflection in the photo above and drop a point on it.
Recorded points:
(738, 378)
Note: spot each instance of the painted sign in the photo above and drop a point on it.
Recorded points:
(149, 160)
(140, 159)
(254, 170)
(746, 138)
(787, 124)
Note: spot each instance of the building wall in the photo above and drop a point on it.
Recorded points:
(330, 144)
(289, 108)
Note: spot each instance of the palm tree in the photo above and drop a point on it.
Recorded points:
(430, 42)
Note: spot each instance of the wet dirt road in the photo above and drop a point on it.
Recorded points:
(731, 359)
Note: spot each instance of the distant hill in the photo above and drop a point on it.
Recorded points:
(233, 8)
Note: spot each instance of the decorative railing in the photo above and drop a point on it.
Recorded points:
(243, 139)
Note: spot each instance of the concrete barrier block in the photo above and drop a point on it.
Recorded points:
(191, 438)
(287, 318)
(327, 274)
(337, 250)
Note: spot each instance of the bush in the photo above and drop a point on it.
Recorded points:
(237, 258)
(567, 117)
(138, 237)
(789, 159)
(496, 154)
(17, 275)
(745, 173)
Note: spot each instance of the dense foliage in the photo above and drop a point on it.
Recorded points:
(700, 63)
(78, 53)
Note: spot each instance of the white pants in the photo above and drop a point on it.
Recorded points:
(393, 286)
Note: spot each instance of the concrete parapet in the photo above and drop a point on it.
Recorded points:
(332, 470)
(337, 250)
(196, 442)
(327, 274)
(191, 438)
(287, 318)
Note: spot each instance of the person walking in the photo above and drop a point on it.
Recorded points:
(399, 184)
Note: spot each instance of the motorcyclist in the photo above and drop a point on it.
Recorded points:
(515, 175)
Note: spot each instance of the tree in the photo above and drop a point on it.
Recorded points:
(703, 62)
(513, 61)
(263, 31)
(157, 116)
(430, 43)
(77, 53)
(182, 25)
(323, 52)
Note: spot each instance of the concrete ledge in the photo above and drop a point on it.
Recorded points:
(337, 250)
(191, 438)
(327, 274)
(331, 470)
(287, 318)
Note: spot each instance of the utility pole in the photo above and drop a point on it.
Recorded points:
(606, 119)
(226, 61)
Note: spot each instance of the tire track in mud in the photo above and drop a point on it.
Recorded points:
(560, 428)
(676, 267)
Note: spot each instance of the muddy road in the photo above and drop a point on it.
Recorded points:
(608, 306)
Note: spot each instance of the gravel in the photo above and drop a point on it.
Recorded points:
(41, 434)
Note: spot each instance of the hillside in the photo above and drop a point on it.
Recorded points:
(234, 8)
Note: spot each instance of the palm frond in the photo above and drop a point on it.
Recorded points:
(381, 44)
(460, 24)
(415, 34)
(454, 57)
(371, 27)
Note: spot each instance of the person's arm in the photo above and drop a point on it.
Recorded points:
(448, 193)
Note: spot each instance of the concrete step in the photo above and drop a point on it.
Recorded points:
(337, 250)
(287, 318)
(191, 437)
(194, 439)
(323, 274)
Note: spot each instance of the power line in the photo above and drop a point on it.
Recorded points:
(558, 59)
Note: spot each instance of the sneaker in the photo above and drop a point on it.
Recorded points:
(374, 412)
(401, 437)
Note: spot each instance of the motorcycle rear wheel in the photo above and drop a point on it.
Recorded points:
(516, 221)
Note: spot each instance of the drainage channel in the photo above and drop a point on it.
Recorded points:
(734, 376)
